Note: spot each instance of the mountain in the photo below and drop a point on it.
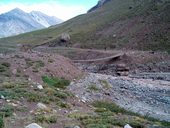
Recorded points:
(99, 4)
(17, 21)
(44, 19)
(118, 24)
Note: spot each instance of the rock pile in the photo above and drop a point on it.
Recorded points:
(122, 70)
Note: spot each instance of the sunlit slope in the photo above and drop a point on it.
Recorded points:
(132, 24)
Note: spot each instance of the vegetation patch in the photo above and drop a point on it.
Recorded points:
(109, 115)
(6, 111)
(8, 85)
(2, 68)
(50, 60)
(35, 69)
(6, 64)
(31, 96)
(61, 94)
(1, 122)
(105, 84)
(56, 82)
(93, 87)
(63, 104)
(5, 69)
(39, 64)
(112, 107)
(29, 62)
(46, 119)
(78, 115)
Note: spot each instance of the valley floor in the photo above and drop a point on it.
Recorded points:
(54, 92)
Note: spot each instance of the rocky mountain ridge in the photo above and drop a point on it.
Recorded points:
(17, 21)
(99, 4)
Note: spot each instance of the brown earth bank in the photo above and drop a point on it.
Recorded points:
(34, 65)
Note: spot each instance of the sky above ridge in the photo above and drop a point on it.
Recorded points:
(63, 9)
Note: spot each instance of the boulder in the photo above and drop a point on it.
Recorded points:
(41, 106)
(127, 126)
(40, 87)
(2, 97)
(65, 37)
(33, 125)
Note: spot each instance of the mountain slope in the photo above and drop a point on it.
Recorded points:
(132, 24)
(17, 21)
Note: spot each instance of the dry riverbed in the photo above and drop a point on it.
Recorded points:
(145, 96)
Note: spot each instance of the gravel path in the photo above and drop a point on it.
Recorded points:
(154, 76)
(145, 96)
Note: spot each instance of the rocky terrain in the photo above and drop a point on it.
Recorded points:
(53, 92)
(147, 97)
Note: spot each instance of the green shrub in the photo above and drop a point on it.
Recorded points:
(29, 62)
(8, 94)
(32, 97)
(49, 91)
(50, 60)
(2, 68)
(1, 122)
(61, 95)
(93, 87)
(40, 118)
(63, 105)
(39, 63)
(6, 111)
(48, 119)
(105, 84)
(55, 82)
(111, 107)
(6, 64)
(100, 110)
(8, 85)
(7, 73)
(35, 69)
(99, 126)
(51, 119)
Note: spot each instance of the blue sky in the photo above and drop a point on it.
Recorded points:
(64, 9)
